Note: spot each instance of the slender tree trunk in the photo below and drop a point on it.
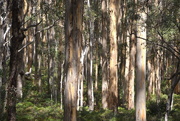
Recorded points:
(141, 69)
(1, 66)
(60, 70)
(132, 70)
(158, 74)
(104, 56)
(61, 87)
(30, 32)
(96, 37)
(73, 36)
(126, 81)
(4, 79)
(123, 51)
(132, 53)
(150, 81)
(1, 60)
(30, 50)
(113, 81)
(5, 27)
(51, 61)
(90, 60)
(80, 85)
(96, 72)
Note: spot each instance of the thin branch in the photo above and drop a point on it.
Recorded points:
(34, 15)
(162, 39)
(46, 28)
(25, 46)
(30, 26)
(169, 49)
(7, 30)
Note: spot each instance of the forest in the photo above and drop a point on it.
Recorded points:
(89, 60)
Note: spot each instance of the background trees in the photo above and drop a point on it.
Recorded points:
(79, 57)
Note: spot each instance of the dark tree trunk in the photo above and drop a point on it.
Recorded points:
(15, 57)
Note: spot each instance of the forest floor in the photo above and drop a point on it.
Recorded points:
(38, 108)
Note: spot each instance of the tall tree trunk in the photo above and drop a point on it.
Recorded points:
(51, 61)
(113, 81)
(38, 50)
(1, 66)
(30, 32)
(15, 57)
(141, 68)
(131, 70)
(157, 75)
(123, 50)
(1, 56)
(132, 53)
(81, 78)
(73, 36)
(150, 77)
(90, 60)
(96, 37)
(127, 59)
(104, 56)
(60, 70)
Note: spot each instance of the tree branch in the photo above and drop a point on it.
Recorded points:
(162, 39)
(7, 30)
(167, 47)
(30, 26)
(46, 28)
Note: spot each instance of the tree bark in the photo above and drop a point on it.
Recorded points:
(141, 68)
(132, 53)
(113, 81)
(15, 57)
(73, 37)
(131, 71)
(90, 60)
(126, 81)
(1, 61)
(104, 56)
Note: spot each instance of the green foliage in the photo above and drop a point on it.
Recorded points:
(156, 111)
(164, 19)
(27, 111)
(155, 108)
(175, 113)
(106, 115)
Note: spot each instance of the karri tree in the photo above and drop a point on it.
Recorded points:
(141, 65)
(73, 38)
